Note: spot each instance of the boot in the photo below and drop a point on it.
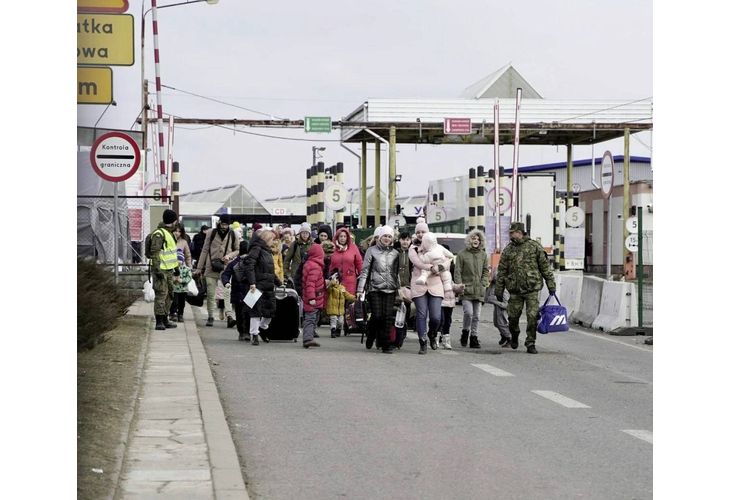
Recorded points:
(210, 321)
(464, 337)
(230, 322)
(159, 325)
(474, 342)
(338, 332)
(446, 341)
(334, 333)
(240, 337)
(422, 349)
(531, 349)
(432, 341)
(172, 317)
(515, 342)
(180, 318)
(254, 340)
(167, 323)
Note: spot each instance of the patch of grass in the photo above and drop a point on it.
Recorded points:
(108, 378)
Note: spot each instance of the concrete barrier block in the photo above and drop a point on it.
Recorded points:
(568, 288)
(618, 307)
(589, 301)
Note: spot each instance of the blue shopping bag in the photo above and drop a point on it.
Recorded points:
(552, 318)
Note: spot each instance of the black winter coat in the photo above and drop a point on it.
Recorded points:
(258, 266)
(239, 288)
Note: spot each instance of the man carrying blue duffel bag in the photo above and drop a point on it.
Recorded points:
(523, 266)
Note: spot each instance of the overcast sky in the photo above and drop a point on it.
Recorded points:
(325, 58)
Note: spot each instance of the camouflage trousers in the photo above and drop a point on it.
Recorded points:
(163, 293)
(514, 311)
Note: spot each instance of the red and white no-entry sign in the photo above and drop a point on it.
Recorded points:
(115, 156)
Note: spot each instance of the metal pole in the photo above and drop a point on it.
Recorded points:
(569, 178)
(641, 268)
(158, 86)
(497, 242)
(609, 219)
(391, 174)
(116, 250)
(627, 193)
(516, 157)
(377, 184)
(363, 186)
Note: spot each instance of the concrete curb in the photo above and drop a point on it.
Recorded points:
(224, 465)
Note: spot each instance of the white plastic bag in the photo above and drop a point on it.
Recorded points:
(192, 288)
(149, 292)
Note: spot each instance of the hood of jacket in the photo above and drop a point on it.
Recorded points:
(482, 240)
(316, 255)
(338, 247)
(258, 242)
(428, 242)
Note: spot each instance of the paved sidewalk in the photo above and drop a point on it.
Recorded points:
(179, 444)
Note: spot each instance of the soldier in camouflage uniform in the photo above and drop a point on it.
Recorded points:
(522, 268)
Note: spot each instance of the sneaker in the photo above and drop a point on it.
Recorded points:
(221, 315)
(231, 322)
(504, 341)
(209, 322)
(262, 334)
(255, 340)
(310, 343)
(173, 318)
(531, 349)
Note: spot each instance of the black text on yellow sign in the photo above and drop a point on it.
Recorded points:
(94, 85)
(105, 39)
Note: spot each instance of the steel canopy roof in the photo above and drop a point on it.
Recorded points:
(542, 121)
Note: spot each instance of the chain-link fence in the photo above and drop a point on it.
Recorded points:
(95, 229)
(645, 279)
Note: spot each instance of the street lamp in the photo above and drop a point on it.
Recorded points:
(315, 150)
(141, 52)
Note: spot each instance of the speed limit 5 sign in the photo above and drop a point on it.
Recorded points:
(334, 196)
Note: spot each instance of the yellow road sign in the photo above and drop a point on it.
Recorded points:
(105, 39)
(94, 85)
(118, 6)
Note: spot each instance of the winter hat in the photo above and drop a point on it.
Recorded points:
(378, 231)
(386, 231)
(324, 228)
(169, 216)
(180, 255)
(256, 227)
(305, 227)
(328, 247)
(422, 226)
(429, 240)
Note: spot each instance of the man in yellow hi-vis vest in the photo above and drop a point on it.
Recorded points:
(165, 267)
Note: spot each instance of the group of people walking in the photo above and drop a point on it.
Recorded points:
(390, 273)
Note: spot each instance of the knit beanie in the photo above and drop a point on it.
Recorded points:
(169, 216)
(386, 231)
(305, 227)
(421, 225)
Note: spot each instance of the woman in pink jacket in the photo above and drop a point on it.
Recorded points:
(314, 293)
(428, 297)
(346, 259)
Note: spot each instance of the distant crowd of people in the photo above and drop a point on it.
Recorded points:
(393, 274)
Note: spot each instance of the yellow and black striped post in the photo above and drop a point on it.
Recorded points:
(480, 215)
(309, 195)
(320, 217)
(472, 198)
(176, 187)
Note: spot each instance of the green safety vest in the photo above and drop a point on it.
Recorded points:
(168, 254)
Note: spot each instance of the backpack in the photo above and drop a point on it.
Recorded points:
(148, 243)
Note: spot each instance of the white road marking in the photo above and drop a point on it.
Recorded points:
(611, 340)
(497, 372)
(560, 399)
(449, 352)
(647, 436)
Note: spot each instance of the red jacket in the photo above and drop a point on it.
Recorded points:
(313, 286)
(347, 261)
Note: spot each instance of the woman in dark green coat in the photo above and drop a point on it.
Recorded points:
(472, 270)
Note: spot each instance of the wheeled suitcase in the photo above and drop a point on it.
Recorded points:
(285, 324)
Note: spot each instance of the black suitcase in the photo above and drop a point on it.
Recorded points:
(285, 325)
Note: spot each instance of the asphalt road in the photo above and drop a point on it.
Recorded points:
(339, 421)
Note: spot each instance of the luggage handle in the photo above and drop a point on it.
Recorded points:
(548, 299)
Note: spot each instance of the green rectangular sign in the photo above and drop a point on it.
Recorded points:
(317, 124)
